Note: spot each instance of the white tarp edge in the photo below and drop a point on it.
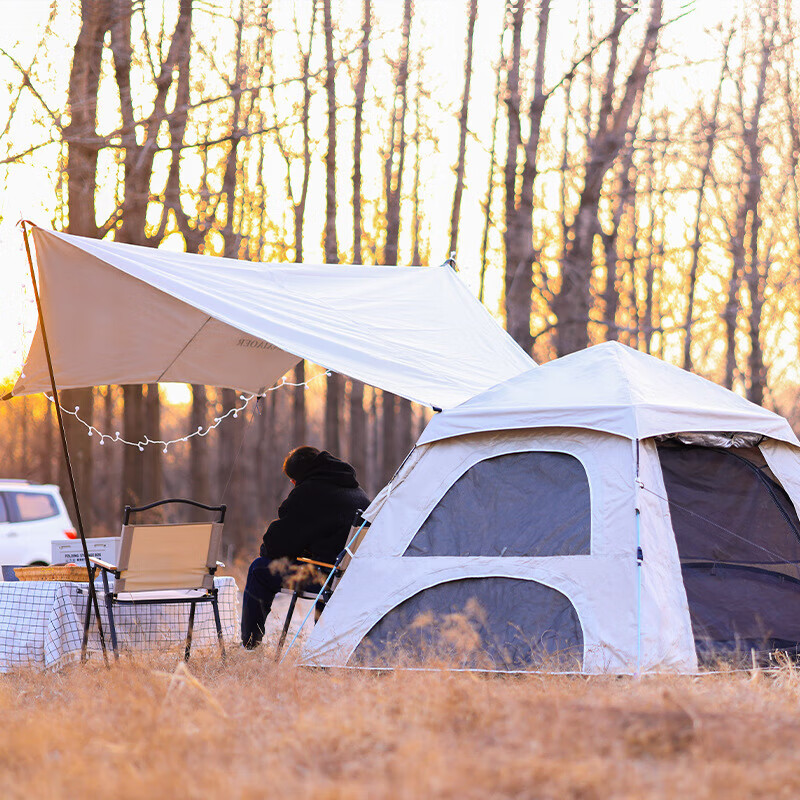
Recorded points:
(119, 313)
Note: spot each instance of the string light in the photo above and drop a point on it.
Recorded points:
(246, 399)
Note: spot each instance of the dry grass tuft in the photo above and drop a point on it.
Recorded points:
(254, 729)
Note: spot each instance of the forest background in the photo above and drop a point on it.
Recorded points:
(603, 169)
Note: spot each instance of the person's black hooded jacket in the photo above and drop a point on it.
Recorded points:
(314, 520)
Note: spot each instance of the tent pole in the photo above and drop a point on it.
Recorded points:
(92, 592)
(639, 562)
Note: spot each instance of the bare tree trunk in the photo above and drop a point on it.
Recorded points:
(24, 462)
(656, 247)
(132, 431)
(143, 475)
(416, 211)
(373, 483)
(152, 455)
(231, 473)
(394, 180)
(299, 424)
(705, 173)
(397, 146)
(110, 514)
(198, 447)
(757, 267)
(360, 91)
(298, 200)
(573, 301)
(389, 448)
(229, 470)
(358, 419)
(487, 205)
(48, 442)
(519, 207)
(83, 146)
(747, 219)
(622, 205)
(334, 385)
(455, 215)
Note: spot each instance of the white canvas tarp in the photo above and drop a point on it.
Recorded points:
(118, 314)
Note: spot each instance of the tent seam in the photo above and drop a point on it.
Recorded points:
(183, 349)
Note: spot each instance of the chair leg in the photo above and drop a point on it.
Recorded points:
(286, 623)
(189, 632)
(87, 620)
(110, 611)
(218, 622)
(112, 627)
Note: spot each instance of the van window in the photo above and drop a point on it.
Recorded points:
(3, 512)
(30, 506)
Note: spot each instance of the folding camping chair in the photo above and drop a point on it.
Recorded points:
(329, 581)
(164, 563)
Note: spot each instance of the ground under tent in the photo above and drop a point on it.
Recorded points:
(606, 512)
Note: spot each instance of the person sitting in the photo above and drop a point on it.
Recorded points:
(313, 521)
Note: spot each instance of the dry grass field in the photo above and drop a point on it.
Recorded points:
(147, 728)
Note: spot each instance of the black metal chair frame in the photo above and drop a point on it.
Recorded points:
(302, 593)
(111, 597)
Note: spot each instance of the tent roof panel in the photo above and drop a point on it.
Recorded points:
(611, 388)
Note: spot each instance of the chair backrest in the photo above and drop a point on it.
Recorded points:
(162, 557)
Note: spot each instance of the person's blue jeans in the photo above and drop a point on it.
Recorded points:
(263, 583)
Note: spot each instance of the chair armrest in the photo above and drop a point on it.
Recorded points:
(103, 564)
(317, 563)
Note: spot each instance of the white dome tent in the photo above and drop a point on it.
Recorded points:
(606, 508)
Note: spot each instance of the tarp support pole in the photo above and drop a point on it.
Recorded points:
(639, 560)
(92, 593)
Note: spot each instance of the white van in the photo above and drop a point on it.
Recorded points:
(31, 516)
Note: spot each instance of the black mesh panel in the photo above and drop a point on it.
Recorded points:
(739, 609)
(738, 539)
(519, 504)
(479, 623)
(724, 509)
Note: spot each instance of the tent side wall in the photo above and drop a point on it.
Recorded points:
(601, 585)
(666, 629)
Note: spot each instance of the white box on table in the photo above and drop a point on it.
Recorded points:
(106, 548)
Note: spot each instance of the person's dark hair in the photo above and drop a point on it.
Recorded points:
(297, 463)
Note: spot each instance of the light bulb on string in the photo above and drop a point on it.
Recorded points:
(246, 399)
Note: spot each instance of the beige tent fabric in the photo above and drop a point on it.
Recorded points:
(121, 314)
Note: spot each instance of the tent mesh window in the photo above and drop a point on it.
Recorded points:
(518, 504)
(738, 538)
(489, 623)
